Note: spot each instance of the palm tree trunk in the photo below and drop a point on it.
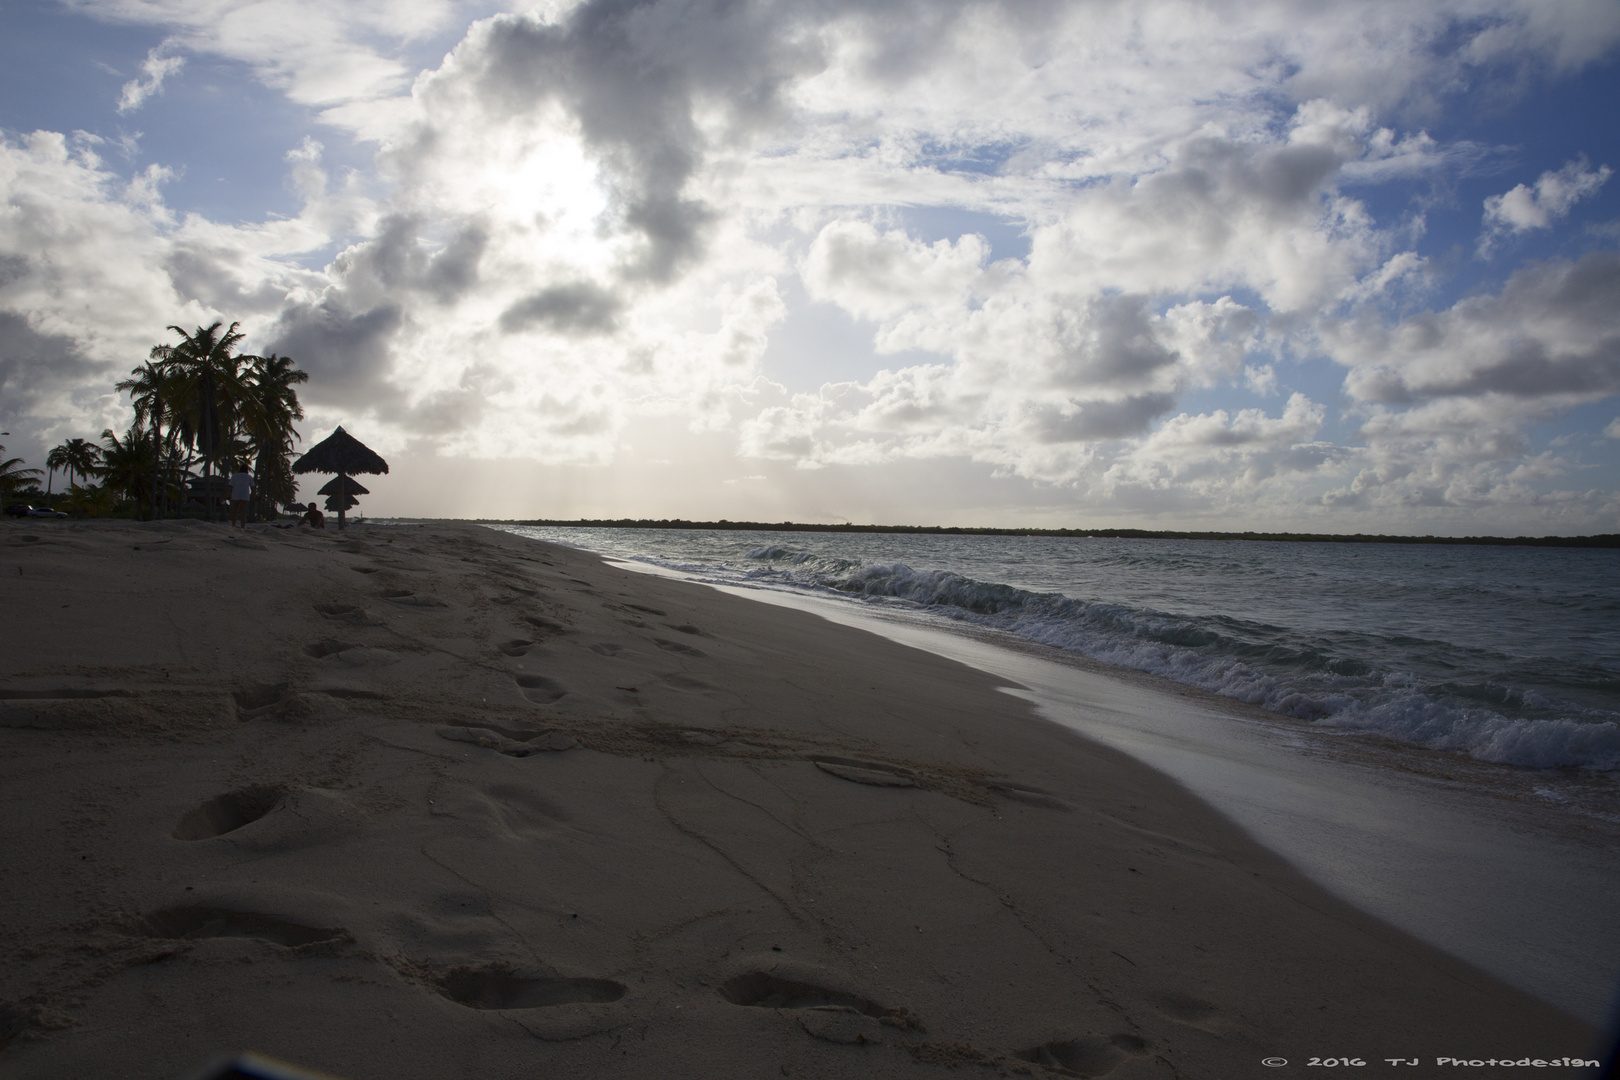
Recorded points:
(157, 467)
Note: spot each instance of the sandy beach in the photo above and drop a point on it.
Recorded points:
(440, 801)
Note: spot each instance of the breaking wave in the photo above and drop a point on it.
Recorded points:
(1410, 687)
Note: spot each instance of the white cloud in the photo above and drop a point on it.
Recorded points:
(98, 266)
(318, 54)
(155, 68)
(1525, 208)
(599, 213)
(1449, 397)
(1551, 335)
(1217, 456)
(875, 276)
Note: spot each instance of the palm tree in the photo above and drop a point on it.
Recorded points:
(13, 475)
(211, 397)
(270, 427)
(201, 395)
(55, 462)
(92, 501)
(149, 393)
(126, 466)
(77, 457)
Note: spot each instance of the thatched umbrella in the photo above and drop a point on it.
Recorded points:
(343, 454)
(348, 485)
(339, 503)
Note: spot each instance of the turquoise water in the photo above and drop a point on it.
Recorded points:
(1511, 655)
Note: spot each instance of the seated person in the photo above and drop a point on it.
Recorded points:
(314, 518)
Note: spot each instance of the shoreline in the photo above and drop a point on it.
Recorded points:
(1452, 887)
(784, 845)
(1432, 842)
(1600, 540)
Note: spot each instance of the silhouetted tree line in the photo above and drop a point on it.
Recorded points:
(200, 409)
(1602, 540)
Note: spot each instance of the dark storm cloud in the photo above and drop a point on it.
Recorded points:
(397, 262)
(346, 353)
(577, 308)
(453, 272)
(34, 367)
(346, 338)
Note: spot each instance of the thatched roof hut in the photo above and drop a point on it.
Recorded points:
(345, 455)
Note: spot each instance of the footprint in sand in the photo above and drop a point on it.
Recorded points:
(830, 1015)
(259, 696)
(194, 923)
(550, 626)
(606, 648)
(348, 613)
(516, 647)
(678, 647)
(539, 689)
(228, 812)
(1094, 1055)
(496, 986)
(278, 701)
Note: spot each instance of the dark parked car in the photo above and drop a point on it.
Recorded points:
(18, 510)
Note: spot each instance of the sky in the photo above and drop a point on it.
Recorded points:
(1257, 264)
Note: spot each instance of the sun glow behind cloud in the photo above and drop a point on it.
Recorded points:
(588, 222)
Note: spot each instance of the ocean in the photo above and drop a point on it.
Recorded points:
(1510, 655)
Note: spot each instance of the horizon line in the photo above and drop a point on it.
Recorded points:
(1596, 540)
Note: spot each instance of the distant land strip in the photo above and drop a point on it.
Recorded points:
(1604, 540)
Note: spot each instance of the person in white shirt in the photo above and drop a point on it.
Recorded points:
(241, 492)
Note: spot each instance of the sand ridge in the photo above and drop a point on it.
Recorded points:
(440, 801)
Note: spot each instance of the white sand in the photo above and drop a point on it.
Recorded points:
(444, 802)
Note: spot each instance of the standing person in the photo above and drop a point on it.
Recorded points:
(241, 492)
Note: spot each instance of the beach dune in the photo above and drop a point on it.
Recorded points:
(439, 801)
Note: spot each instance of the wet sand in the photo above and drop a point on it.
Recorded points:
(440, 801)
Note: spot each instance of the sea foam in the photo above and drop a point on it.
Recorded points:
(1254, 662)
